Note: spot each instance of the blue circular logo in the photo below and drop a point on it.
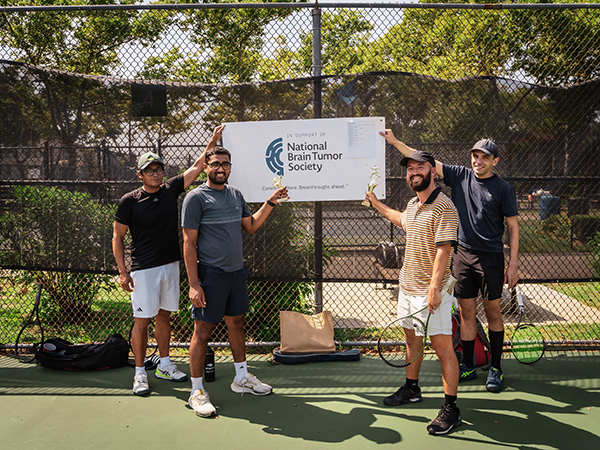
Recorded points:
(273, 156)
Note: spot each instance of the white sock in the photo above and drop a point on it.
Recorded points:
(197, 384)
(241, 369)
(166, 361)
(141, 370)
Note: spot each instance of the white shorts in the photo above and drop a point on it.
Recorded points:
(154, 289)
(440, 321)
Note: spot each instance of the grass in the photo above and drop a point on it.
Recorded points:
(111, 313)
(550, 235)
(534, 236)
(586, 293)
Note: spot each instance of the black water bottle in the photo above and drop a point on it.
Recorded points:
(209, 365)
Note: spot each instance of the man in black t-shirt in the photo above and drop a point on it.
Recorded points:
(150, 213)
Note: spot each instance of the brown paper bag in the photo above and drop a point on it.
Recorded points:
(306, 334)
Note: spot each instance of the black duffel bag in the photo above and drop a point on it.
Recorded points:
(62, 355)
(388, 255)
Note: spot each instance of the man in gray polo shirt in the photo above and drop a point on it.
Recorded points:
(212, 218)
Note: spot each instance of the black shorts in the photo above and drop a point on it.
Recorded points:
(226, 294)
(478, 271)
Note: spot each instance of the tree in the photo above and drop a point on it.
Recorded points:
(229, 49)
(545, 47)
(82, 42)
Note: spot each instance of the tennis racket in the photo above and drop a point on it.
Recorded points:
(151, 347)
(527, 342)
(32, 333)
(403, 340)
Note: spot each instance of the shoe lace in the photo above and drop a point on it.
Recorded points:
(251, 379)
(404, 389)
(444, 412)
(200, 396)
(495, 374)
(141, 378)
(248, 379)
(170, 370)
(242, 384)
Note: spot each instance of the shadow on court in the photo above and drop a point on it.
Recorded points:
(554, 404)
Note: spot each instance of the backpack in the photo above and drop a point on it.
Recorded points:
(482, 355)
(62, 355)
(388, 255)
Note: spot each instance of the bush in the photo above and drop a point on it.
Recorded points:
(585, 227)
(267, 299)
(57, 233)
(71, 294)
(556, 226)
(594, 244)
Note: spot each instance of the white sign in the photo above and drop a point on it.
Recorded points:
(317, 159)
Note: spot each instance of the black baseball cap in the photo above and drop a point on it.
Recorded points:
(487, 146)
(420, 156)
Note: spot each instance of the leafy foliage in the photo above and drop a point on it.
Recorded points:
(55, 228)
(556, 226)
(84, 42)
(594, 243)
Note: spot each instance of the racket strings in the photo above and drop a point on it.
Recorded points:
(32, 333)
(30, 336)
(402, 342)
(527, 344)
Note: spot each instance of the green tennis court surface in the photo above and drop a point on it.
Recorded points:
(554, 404)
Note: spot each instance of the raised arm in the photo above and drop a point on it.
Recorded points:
(192, 173)
(406, 150)
(252, 223)
(390, 214)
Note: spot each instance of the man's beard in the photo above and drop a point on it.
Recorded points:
(426, 181)
(214, 180)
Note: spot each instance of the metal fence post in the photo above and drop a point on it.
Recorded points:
(316, 50)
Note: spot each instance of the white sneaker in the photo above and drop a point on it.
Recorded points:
(252, 385)
(199, 401)
(140, 384)
(170, 373)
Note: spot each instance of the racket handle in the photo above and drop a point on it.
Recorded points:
(519, 297)
(38, 294)
(448, 286)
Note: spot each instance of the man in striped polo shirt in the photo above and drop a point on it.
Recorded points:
(484, 201)
(430, 222)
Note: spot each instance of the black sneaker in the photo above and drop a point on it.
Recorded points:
(448, 418)
(467, 374)
(403, 395)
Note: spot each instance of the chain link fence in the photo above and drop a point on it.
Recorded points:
(74, 85)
